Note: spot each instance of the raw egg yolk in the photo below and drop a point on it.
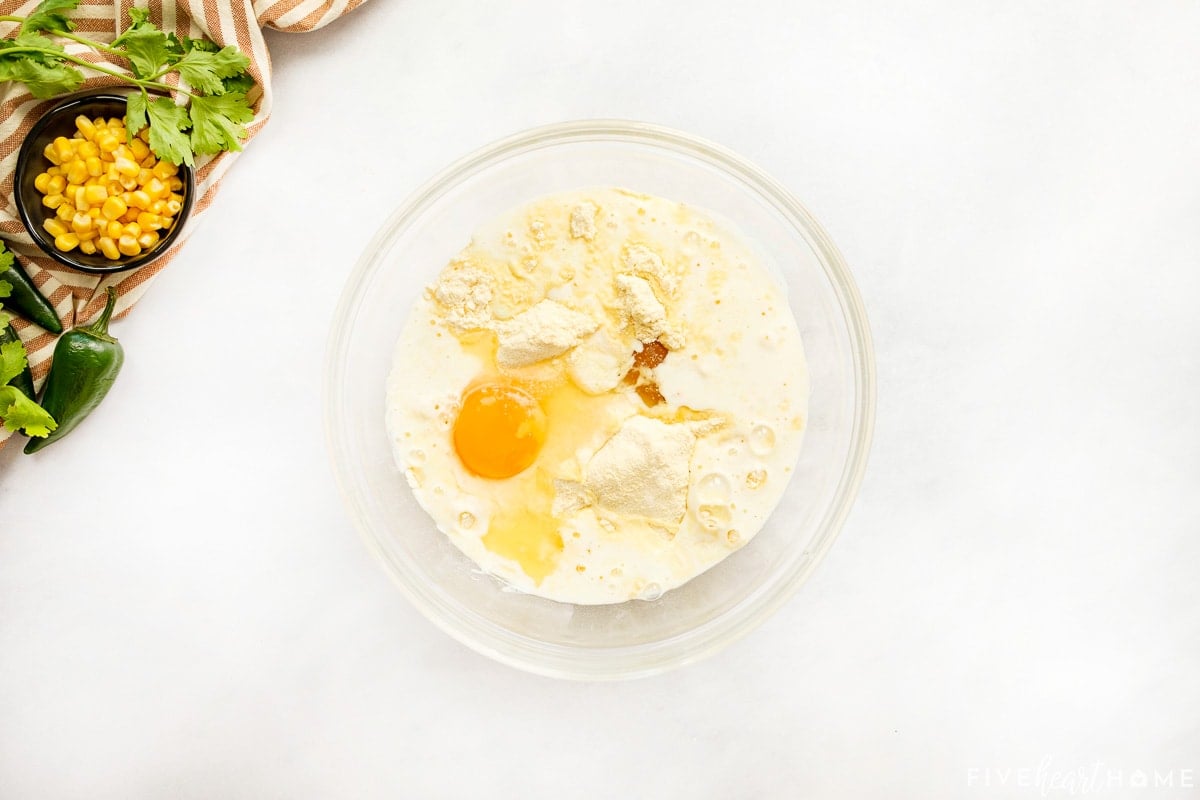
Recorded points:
(499, 429)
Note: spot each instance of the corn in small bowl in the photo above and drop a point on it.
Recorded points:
(90, 198)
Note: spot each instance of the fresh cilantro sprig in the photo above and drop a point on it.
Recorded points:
(6, 261)
(215, 115)
(18, 412)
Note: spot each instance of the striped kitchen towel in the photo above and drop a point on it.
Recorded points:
(78, 297)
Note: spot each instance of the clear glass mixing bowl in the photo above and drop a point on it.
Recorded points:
(639, 637)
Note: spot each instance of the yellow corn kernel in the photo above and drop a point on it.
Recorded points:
(157, 207)
(54, 171)
(80, 199)
(94, 213)
(129, 246)
(85, 126)
(82, 222)
(95, 195)
(174, 184)
(144, 135)
(114, 189)
(55, 227)
(126, 167)
(99, 122)
(128, 183)
(87, 246)
(133, 229)
(77, 171)
(113, 207)
(51, 154)
(129, 216)
(165, 169)
(109, 248)
(42, 182)
(88, 149)
(114, 229)
(70, 189)
(123, 152)
(149, 222)
(65, 212)
(56, 185)
(107, 142)
(148, 240)
(87, 236)
(95, 167)
(115, 122)
(52, 200)
(139, 200)
(139, 149)
(172, 207)
(156, 189)
(149, 161)
(67, 242)
(63, 148)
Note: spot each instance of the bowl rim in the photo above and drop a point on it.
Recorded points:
(564, 661)
(25, 157)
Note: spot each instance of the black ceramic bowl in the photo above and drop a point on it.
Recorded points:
(60, 121)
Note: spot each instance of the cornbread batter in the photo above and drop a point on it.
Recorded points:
(603, 395)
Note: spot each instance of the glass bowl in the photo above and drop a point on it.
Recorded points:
(639, 637)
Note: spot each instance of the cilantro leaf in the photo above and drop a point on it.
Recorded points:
(5, 288)
(167, 125)
(190, 44)
(147, 50)
(141, 28)
(139, 20)
(32, 39)
(6, 261)
(12, 361)
(218, 122)
(21, 413)
(43, 79)
(205, 70)
(139, 17)
(48, 16)
(242, 82)
(174, 47)
(135, 115)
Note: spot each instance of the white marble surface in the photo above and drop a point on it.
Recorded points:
(186, 612)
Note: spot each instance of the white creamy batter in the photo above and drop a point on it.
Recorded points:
(603, 395)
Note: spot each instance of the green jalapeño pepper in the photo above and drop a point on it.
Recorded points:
(27, 300)
(86, 362)
(24, 381)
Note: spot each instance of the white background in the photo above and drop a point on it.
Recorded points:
(186, 611)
